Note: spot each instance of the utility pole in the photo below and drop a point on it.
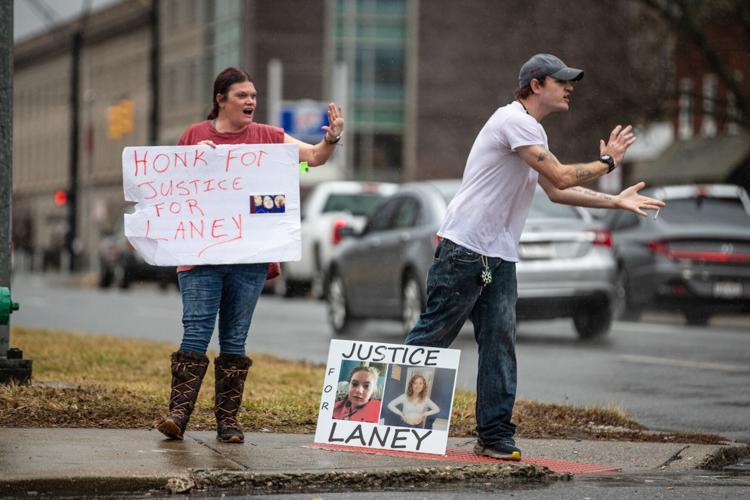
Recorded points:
(155, 118)
(75, 92)
(12, 366)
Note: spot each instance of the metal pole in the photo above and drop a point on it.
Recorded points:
(75, 111)
(155, 118)
(6, 156)
(275, 84)
(13, 368)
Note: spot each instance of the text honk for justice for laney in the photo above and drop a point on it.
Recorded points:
(182, 197)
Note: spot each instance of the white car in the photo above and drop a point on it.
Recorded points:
(330, 207)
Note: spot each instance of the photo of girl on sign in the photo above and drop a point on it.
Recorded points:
(267, 204)
(419, 397)
(359, 394)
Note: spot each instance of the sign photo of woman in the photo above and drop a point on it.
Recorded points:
(359, 404)
(415, 405)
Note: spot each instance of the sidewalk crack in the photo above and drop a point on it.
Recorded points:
(675, 456)
(218, 452)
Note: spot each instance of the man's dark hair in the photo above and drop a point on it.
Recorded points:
(525, 92)
(223, 81)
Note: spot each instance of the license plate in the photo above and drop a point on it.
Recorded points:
(727, 289)
(531, 251)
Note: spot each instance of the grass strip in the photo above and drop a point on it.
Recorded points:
(93, 381)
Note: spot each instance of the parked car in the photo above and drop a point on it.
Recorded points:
(694, 256)
(120, 265)
(329, 208)
(567, 268)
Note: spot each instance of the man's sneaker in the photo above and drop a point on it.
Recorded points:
(503, 450)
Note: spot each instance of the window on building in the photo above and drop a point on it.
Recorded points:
(708, 120)
(226, 34)
(685, 110)
(733, 113)
(370, 37)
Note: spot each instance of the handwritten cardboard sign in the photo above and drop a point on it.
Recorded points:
(198, 205)
(387, 396)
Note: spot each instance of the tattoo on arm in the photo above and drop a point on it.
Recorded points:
(592, 193)
(544, 155)
(582, 173)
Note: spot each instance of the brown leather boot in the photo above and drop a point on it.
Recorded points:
(188, 369)
(231, 372)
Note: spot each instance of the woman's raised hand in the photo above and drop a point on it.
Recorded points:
(335, 126)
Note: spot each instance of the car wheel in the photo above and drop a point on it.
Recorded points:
(411, 303)
(105, 277)
(339, 316)
(697, 317)
(318, 276)
(120, 277)
(593, 319)
(623, 309)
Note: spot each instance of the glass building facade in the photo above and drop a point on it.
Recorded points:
(370, 37)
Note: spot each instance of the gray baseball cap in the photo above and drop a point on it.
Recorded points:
(541, 65)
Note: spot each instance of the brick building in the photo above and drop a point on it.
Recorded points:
(423, 78)
(710, 145)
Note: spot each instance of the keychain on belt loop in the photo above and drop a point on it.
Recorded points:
(486, 277)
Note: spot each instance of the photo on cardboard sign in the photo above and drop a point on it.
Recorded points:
(418, 397)
(359, 393)
(267, 203)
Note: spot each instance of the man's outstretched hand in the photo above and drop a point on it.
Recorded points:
(629, 199)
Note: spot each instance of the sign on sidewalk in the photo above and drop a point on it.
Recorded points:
(387, 396)
(199, 205)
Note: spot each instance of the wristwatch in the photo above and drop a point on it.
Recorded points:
(609, 161)
(334, 141)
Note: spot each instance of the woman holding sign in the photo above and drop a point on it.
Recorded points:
(416, 406)
(229, 291)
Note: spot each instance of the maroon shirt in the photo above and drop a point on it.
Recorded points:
(255, 133)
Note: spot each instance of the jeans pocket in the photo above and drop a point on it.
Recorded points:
(464, 255)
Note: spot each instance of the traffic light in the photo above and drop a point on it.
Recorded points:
(121, 118)
(61, 197)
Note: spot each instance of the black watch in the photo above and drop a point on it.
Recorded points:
(609, 161)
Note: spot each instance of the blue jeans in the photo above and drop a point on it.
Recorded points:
(455, 294)
(232, 291)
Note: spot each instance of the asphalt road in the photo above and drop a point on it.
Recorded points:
(669, 376)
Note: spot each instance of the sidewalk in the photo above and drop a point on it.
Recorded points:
(91, 461)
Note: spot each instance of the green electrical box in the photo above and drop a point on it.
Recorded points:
(7, 306)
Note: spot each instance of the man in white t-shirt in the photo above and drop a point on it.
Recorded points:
(473, 274)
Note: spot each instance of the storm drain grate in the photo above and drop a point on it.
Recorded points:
(459, 455)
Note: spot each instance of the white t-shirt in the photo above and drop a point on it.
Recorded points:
(414, 411)
(489, 211)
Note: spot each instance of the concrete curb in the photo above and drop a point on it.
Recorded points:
(503, 473)
(725, 456)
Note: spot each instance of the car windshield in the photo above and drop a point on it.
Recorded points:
(705, 210)
(543, 208)
(359, 204)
